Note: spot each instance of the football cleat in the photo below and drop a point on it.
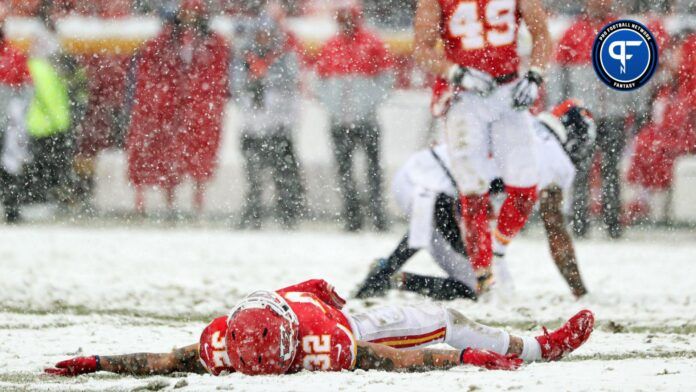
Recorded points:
(569, 337)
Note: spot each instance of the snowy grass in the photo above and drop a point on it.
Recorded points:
(72, 291)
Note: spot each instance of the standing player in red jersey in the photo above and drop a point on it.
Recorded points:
(304, 327)
(486, 107)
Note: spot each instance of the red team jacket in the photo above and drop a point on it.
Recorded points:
(326, 339)
(179, 106)
(13, 65)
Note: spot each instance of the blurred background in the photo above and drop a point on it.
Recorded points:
(265, 113)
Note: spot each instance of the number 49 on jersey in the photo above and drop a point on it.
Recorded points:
(480, 24)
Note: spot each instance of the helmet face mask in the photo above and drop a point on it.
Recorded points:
(262, 334)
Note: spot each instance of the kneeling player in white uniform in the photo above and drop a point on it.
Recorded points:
(426, 191)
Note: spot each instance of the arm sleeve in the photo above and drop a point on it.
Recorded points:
(319, 287)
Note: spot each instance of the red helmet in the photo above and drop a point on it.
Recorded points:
(262, 334)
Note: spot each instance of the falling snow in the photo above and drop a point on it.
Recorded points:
(160, 159)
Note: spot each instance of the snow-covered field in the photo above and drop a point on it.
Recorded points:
(72, 291)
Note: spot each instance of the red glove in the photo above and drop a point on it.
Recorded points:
(75, 366)
(490, 360)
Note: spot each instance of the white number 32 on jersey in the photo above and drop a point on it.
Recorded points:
(500, 20)
(317, 349)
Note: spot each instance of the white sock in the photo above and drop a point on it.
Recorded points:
(463, 332)
(531, 349)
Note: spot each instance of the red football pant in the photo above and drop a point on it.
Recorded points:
(478, 231)
(515, 212)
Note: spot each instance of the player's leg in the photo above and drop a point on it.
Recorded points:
(377, 281)
(515, 155)
(435, 287)
(407, 327)
(447, 249)
(410, 327)
(401, 326)
(466, 130)
(454, 263)
(447, 213)
(407, 197)
(463, 332)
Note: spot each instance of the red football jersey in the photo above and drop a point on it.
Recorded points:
(212, 349)
(326, 341)
(481, 34)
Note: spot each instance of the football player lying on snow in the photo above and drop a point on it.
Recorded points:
(303, 327)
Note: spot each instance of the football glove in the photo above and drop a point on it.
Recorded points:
(75, 366)
(471, 79)
(490, 360)
(526, 91)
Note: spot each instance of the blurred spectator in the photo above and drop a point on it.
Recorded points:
(354, 80)
(265, 84)
(49, 118)
(15, 94)
(105, 120)
(23, 7)
(180, 96)
(103, 8)
(684, 6)
(670, 133)
(386, 13)
(611, 109)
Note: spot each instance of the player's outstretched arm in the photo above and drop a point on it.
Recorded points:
(560, 241)
(380, 357)
(183, 359)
